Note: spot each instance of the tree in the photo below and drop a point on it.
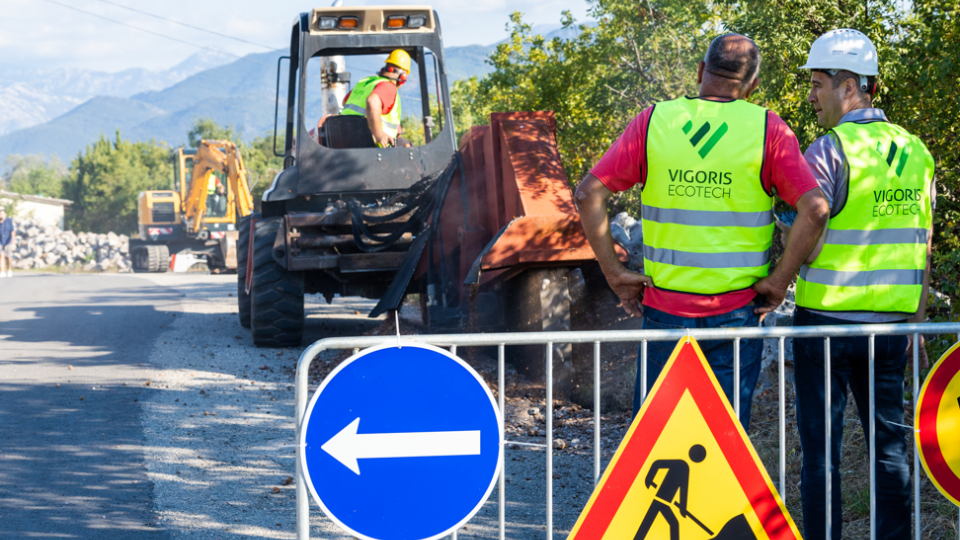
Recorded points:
(106, 178)
(207, 128)
(33, 175)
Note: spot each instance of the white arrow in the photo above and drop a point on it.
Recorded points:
(348, 446)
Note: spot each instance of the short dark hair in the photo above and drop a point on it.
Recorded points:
(730, 63)
(843, 75)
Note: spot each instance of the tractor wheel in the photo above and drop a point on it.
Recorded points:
(276, 295)
(243, 246)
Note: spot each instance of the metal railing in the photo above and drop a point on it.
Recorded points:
(548, 339)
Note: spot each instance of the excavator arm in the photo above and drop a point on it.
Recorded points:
(216, 156)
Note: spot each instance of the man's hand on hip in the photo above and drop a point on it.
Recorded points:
(773, 291)
(628, 286)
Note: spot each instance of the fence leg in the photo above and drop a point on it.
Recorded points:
(736, 377)
(783, 421)
(303, 500)
(828, 515)
(643, 371)
(549, 441)
(916, 450)
(503, 437)
(596, 413)
(872, 437)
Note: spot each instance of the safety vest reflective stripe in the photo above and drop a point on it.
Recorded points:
(357, 100)
(873, 260)
(689, 259)
(869, 278)
(706, 218)
(707, 221)
(876, 237)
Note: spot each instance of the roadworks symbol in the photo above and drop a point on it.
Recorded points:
(685, 469)
(701, 133)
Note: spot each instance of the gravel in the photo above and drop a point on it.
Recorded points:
(219, 426)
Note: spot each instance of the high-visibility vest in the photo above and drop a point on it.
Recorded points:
(357, 104)
(875, 250)
(707, 221)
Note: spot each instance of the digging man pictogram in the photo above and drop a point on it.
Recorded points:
(677, 482)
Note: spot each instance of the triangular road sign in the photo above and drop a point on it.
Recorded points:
(686, 469)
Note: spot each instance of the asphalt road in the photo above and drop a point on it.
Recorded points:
(135, 406)
(71, 452)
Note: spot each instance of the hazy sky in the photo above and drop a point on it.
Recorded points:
(43, 34)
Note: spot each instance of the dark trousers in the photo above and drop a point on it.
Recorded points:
(849, 371)
(719, 354)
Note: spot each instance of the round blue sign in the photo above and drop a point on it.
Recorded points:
(401, 443)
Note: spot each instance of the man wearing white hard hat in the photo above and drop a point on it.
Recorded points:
(871, 265)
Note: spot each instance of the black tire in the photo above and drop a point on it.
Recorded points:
(276, 295)
(153, 259)
(140, 260)
(163, 259)
(243, 246)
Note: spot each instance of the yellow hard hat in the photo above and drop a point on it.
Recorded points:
(399, 58)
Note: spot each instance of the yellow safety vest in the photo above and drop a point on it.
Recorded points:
(707, 221)
(875, 250)
(357, 104)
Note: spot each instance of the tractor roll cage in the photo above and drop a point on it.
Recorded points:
(313, 169)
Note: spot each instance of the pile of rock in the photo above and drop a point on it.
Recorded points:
(39, 246)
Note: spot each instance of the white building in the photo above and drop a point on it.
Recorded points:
(45, 211)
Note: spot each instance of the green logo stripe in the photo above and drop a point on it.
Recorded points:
(891, 153)
(903, 159)
(704, 129)
(687, 127)
(712, 141)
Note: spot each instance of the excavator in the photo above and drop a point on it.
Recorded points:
(199, 216)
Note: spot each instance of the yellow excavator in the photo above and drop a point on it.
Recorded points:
(199, 216)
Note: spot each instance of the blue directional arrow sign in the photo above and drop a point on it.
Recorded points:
(401, 443)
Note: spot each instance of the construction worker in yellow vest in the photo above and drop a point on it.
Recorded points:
(871, 265)
(709, 167)
(377, 98)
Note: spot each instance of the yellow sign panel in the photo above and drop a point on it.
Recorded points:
(685, 469)
(938, 424)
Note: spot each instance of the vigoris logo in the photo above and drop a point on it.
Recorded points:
(701, 133)
(892, 153)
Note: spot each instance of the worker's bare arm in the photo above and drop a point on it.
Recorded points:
(374, 107)
(812, 215)
(591, 199)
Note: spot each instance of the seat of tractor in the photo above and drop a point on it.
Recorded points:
(347, 131)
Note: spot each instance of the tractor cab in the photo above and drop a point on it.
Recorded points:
(329, 150)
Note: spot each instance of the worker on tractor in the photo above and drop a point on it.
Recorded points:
(708, 167)
(871, 265)
(378, 99)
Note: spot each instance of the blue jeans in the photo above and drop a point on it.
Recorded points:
(718, 353)
(849, 369)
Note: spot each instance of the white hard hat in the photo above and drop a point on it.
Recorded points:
(844, 48)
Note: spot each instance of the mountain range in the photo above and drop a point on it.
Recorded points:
(60, 113)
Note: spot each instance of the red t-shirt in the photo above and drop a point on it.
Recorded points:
(386, 91)
(784, 170)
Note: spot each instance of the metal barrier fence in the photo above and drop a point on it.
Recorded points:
(548, 339)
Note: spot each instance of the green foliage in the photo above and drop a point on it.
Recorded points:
(207, 128)
(104, 182)
(639, 53)
(261, 163)
(33, 175)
